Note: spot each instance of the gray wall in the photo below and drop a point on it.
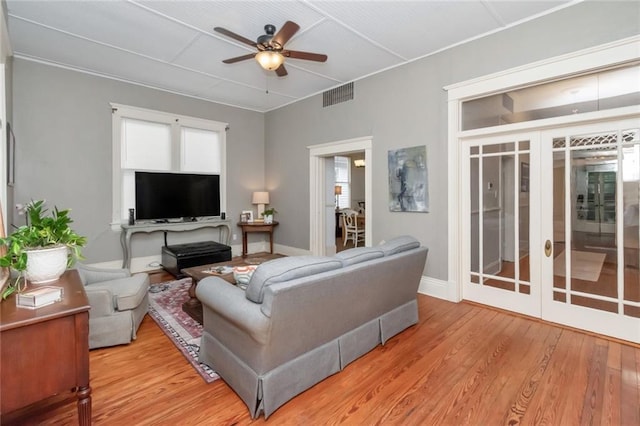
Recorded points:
(62, 124)
(406, 106)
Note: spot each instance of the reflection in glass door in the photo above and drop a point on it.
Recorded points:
(594, 206)
(595, 186)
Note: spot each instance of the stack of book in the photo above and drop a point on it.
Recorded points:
(38, 297)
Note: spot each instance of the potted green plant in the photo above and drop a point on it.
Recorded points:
(268, 214)
(43, 249)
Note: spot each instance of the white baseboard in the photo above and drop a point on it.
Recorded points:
(428, 286)
(289, 251)
(437, 288)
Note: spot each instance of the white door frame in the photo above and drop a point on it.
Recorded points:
(621, 51)
(317, 216)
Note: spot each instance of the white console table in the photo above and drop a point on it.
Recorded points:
(128, 231)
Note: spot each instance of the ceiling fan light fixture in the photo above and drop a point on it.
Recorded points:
(269, 60)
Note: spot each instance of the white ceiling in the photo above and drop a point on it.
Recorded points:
(171, 45)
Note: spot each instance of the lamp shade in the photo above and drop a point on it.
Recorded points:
(269, 60)
(260, 197)
(337, 190)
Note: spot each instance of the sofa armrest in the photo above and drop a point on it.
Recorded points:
(229, 303)
(90, 274)
(101, 301)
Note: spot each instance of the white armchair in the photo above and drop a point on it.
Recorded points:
(119, 302)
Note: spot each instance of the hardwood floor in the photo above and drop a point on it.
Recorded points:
(607, 285)
(461, 364)
(341, 246)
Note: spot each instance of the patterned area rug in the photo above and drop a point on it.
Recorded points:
(165, 307)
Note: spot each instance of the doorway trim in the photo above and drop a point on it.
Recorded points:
(317, 190)
(608, 54)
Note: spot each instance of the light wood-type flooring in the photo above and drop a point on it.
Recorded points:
(461, 364)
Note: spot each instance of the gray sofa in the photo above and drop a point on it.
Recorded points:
(304, 318)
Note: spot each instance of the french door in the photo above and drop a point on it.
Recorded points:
(553, 225)
(501, 222)
(592, 279)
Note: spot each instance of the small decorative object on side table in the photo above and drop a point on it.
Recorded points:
(268, 215)
(39, 296)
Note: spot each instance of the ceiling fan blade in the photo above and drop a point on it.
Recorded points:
(235, 36)
(239, 58)
(281, 71)
(296, 54)
(284, 35)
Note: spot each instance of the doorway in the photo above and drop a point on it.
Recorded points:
(553, 226)
(322, 197)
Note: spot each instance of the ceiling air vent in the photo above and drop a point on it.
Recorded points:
(337, 95)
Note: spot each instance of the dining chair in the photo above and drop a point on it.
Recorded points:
(352, 231)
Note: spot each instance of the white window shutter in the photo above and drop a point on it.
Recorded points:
(146, 145)
(200, 151)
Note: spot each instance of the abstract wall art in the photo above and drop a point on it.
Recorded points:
(408, 184)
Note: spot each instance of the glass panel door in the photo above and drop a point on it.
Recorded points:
(594, 219)
(498, 208)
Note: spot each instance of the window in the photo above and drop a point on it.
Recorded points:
(157, 141)
(343, 180)
(596, 91)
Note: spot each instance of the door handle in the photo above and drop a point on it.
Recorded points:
(548, 248)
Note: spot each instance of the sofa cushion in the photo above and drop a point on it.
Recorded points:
(286, 269)
(359, 254)
(399, 244)
(128, 292)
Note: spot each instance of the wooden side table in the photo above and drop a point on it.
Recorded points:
(248, 227)
(45, 351)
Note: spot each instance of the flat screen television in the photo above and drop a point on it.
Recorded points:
(162, 196)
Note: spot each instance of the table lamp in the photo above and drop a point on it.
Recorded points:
(260, 198)
(338, 191)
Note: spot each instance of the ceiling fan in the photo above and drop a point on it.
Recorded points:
(271, 51)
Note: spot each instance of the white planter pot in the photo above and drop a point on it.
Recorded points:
(268, 218)
(46, 265)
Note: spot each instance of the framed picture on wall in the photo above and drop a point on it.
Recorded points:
(247, 216)
(408, 180)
